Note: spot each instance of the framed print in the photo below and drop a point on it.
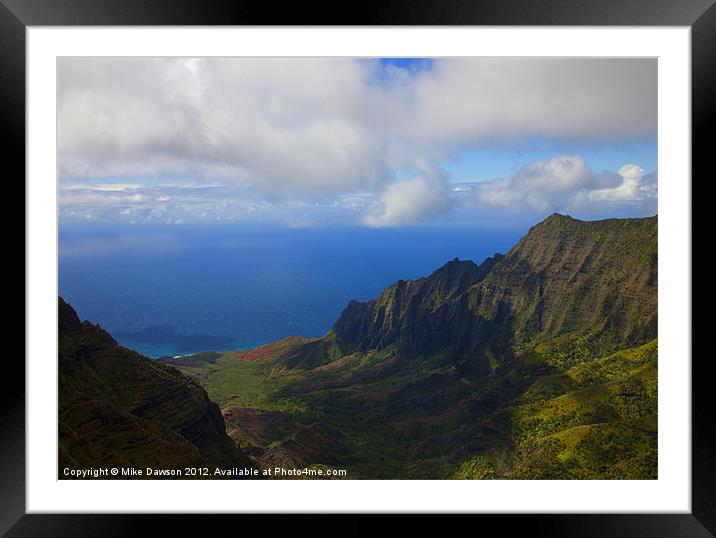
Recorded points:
(405, 263)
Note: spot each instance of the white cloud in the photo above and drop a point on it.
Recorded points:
(280, 125)
(498, 99)
(408, 200)
(630, 189)
(210, 203)
(565, 183)
(286, 129)
(539, 185)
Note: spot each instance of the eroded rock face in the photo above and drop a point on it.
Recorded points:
(565, 276)
(119, 408)
(572, 276)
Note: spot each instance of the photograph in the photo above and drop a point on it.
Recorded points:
(357, 268)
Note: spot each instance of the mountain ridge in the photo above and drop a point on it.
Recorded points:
(465, 307)
(540, 363)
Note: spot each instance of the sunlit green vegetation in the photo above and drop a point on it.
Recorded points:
(540, 364)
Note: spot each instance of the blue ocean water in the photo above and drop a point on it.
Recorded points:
(172, 290)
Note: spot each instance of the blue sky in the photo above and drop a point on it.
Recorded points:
(386, 68)
(409, 64)
(363, 142)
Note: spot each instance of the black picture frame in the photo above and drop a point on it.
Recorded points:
(16, 15)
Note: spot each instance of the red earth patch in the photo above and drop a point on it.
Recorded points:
(255, 354)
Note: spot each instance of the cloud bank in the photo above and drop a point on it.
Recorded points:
(301, 132)
(566, 183)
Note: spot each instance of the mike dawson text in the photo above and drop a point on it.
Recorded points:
(149, 472)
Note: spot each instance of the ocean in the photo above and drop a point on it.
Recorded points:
(180, 289)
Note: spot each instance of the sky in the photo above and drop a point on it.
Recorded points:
(360, 142)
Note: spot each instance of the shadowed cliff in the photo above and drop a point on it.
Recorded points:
(118, 408)
(596, 280)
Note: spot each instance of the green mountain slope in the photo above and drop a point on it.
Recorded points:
(120, 409)
(593, 281)
(537, 364)
(568, 276)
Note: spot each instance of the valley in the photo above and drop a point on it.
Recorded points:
(537, 364)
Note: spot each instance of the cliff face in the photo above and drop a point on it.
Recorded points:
(571, 276)
(596, 280)
(540, 364)
(408, 305)
(119, 408)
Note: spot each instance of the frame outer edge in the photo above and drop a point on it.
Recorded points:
(12, 111)
(12, 129)
(367, 12)
(703, 114)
